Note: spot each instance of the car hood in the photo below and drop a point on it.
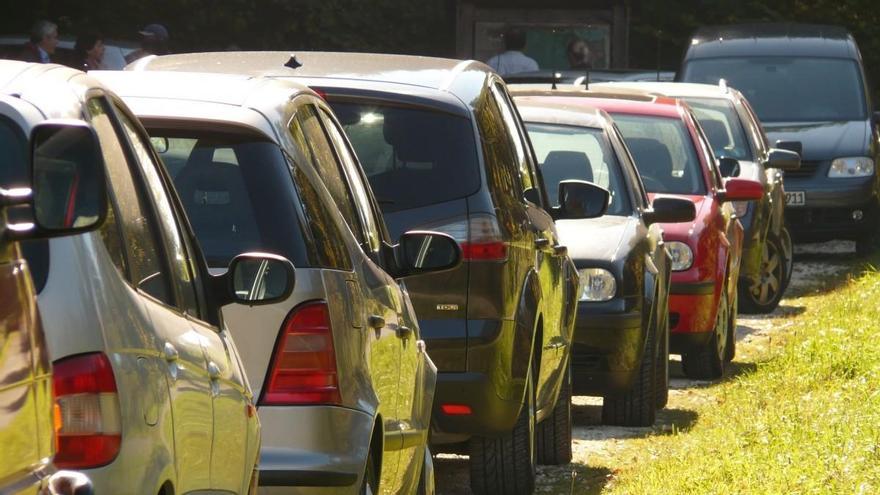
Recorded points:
(598, 239)
(824, 140)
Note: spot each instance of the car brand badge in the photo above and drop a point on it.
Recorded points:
(447, 307)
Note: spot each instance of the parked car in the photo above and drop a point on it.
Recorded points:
(344, 384)
(147, 381)
(807, 85)
(444, 149)
(621, 338)
(734, 132)
(12, 47)
(31, 157)
(674, 157)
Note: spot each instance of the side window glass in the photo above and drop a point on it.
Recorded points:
(320, 152)
(628, 165)
(498, 152)
(525, 173)
(142, 254)
(181, 266)
(705, 149)
(330, 246)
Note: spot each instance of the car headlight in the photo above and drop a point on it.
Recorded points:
(597, 284)
(741, 208)
(682, 256)
(857, 166)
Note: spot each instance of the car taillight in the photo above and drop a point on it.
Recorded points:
(479, 237)
(303, 369)
(88, 426)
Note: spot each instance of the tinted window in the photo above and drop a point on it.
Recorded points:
(237, 193)
(722, 126)
(412, 158)
(507, 115)
(13, 155)
(578, 153)
(329, 245)
(663, 152)
(499, 153)
(789, 89)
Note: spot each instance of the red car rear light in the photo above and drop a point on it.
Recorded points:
(88, 429)
(303, 369)
(479, 237)
(456, 409)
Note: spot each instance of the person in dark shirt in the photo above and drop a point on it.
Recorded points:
(41, 47)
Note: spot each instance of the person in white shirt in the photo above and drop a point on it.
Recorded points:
(513, 60)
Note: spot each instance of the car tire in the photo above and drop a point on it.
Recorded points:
(763, 296)
(426, 478)
(661, 391)
(506, 464)
(638, 405)
(730, 350)
(370, 484)
(708, 362)
(553, 435)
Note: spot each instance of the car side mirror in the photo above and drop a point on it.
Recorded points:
(670, 210)
(795, 146)
(580, 199)
(742, 190)
(68, 193)
(783, 159)
(419, 252)
(255, 279)
(729, 167)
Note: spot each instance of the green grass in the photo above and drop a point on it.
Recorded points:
(803, 418)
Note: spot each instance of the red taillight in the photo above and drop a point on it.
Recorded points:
(456, 409)
(88, 426)
(303, 369)
(479, 236)
(487, 251)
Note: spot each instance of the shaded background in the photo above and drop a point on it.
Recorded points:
(424, 27)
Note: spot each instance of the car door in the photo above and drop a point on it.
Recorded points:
(155, 266)
(374, 292)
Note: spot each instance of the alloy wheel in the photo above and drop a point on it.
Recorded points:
(770, 278)
(722, 325)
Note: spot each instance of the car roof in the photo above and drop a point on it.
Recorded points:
(55, 90)
(772, 39)
(425, 77)
(571, 111)
(235, 99)
(620, 100)
(670, 89)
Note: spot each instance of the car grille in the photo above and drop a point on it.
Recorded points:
(808, 169)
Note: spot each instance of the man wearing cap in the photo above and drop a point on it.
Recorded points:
(154, 41)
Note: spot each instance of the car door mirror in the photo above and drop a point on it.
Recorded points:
(741, 190)
(580, 199)
(68, 192)
(670, 210)
(255, 279)
(729, 167)
(795, 146)
(783, 159)
(420, 252)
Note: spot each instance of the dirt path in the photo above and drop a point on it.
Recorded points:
(600, 450)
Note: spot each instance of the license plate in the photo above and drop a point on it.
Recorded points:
(795, 198)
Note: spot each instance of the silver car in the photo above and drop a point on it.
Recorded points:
(344, 384)
(147, 382)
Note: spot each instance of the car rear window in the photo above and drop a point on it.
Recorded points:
(789, 89)
(237, 192)
(412, 157)
(722, 126)
(664, 154)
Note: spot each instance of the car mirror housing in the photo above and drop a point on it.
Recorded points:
(580, 199)
(742, 190)
(256, 279)
(670, 210)
(783, 159)
(795, 146)
(729, 167)
(418, 252)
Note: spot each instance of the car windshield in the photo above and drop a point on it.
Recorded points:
(663, 152)
(578, 153)
(233, 188)
(722, 126)
(412, 158)
(789, 89)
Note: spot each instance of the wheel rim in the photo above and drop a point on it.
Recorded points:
(722, 326)
(769, 282)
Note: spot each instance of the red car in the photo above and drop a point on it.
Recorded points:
(675, 158)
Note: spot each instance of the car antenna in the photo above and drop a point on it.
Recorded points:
(293, 63)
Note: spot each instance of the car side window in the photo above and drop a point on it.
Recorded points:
(756, 133)
(315, 145)
(355, 179)
(138, 234)
(527, 180)
(329, 245)
(629, 166)
(180, 261)
(498, 152)
(705, 149)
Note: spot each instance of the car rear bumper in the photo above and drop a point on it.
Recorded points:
(692, 308)
(607, 351)
(831, 209)
(490, 414)
(313, 446)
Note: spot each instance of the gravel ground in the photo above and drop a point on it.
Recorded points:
(815, 265)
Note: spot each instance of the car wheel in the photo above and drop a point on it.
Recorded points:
(763, 295)
(708, 363)
(637, 406)
(661, 392)
(506, 464)
(426, 479)
(370, 485)
(553, 441)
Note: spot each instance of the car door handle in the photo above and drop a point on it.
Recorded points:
(213, 370)
(376, 322)
(542, 243)
(170, 352)
(560, 250)
(404, 332)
